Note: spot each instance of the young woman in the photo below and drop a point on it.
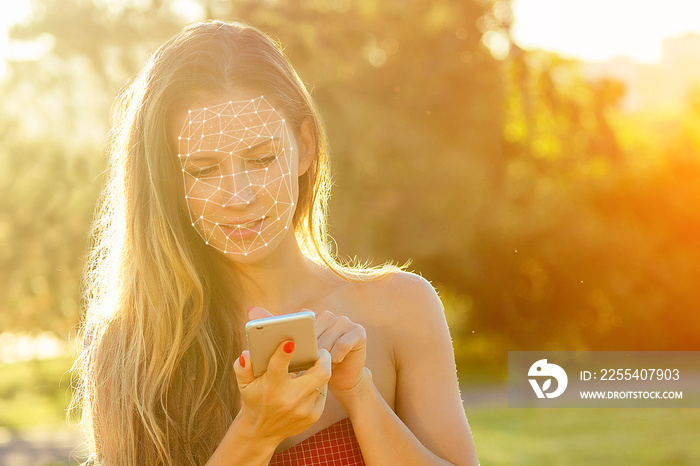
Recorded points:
(214, 214)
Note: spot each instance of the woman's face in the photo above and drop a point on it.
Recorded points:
(240, 168)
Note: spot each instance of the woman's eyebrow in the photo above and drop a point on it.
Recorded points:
(202, 156)
(260, 144)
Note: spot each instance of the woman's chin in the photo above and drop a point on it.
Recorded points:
(247, 253)
(244, 247)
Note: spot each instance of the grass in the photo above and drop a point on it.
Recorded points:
(36, 393)
(509, 436)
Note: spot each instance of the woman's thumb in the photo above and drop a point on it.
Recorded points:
(279, 362)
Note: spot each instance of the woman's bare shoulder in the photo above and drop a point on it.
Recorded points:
(403, 294)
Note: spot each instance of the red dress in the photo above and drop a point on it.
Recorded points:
(335, 445)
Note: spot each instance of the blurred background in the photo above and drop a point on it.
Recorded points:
(538, 161)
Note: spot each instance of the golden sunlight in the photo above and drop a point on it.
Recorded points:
(10, 13)
(599, 30)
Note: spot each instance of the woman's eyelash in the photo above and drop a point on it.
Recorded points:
(197, 172)
(264, 161)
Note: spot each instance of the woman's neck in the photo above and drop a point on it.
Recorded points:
(280, 282)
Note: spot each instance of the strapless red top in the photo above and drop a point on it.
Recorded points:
(335, 445)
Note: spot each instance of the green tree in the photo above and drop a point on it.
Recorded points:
(406, 89)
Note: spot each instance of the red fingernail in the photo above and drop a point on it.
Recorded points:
(241, 361)
(288, 347)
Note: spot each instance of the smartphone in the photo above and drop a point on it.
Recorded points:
(265, 335)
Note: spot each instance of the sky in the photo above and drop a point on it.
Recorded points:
(597, 30)
(590, 30)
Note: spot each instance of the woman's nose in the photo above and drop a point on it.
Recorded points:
(237, 190)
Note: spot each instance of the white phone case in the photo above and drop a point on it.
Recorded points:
(265, 335)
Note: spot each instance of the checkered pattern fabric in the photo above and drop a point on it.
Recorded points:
(335, 445)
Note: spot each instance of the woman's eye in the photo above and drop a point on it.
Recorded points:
(201, 172)
(265, 161)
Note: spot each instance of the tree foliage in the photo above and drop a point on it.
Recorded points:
(547, 216)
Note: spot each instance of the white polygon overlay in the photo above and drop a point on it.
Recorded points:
(236, 164)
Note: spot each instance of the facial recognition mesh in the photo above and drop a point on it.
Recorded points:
(236, 161)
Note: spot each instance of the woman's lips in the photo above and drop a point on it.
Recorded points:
(244, 230)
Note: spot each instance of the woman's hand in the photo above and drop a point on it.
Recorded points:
(346, 342)
(278, 404)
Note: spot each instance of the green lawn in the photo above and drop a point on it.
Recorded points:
(509, 436)
(36, 394)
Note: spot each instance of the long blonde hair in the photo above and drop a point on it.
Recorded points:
(163, 310)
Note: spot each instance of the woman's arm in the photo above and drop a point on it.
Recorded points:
(382, 435)
(429, 426)
(239, 447)
(274, 406)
